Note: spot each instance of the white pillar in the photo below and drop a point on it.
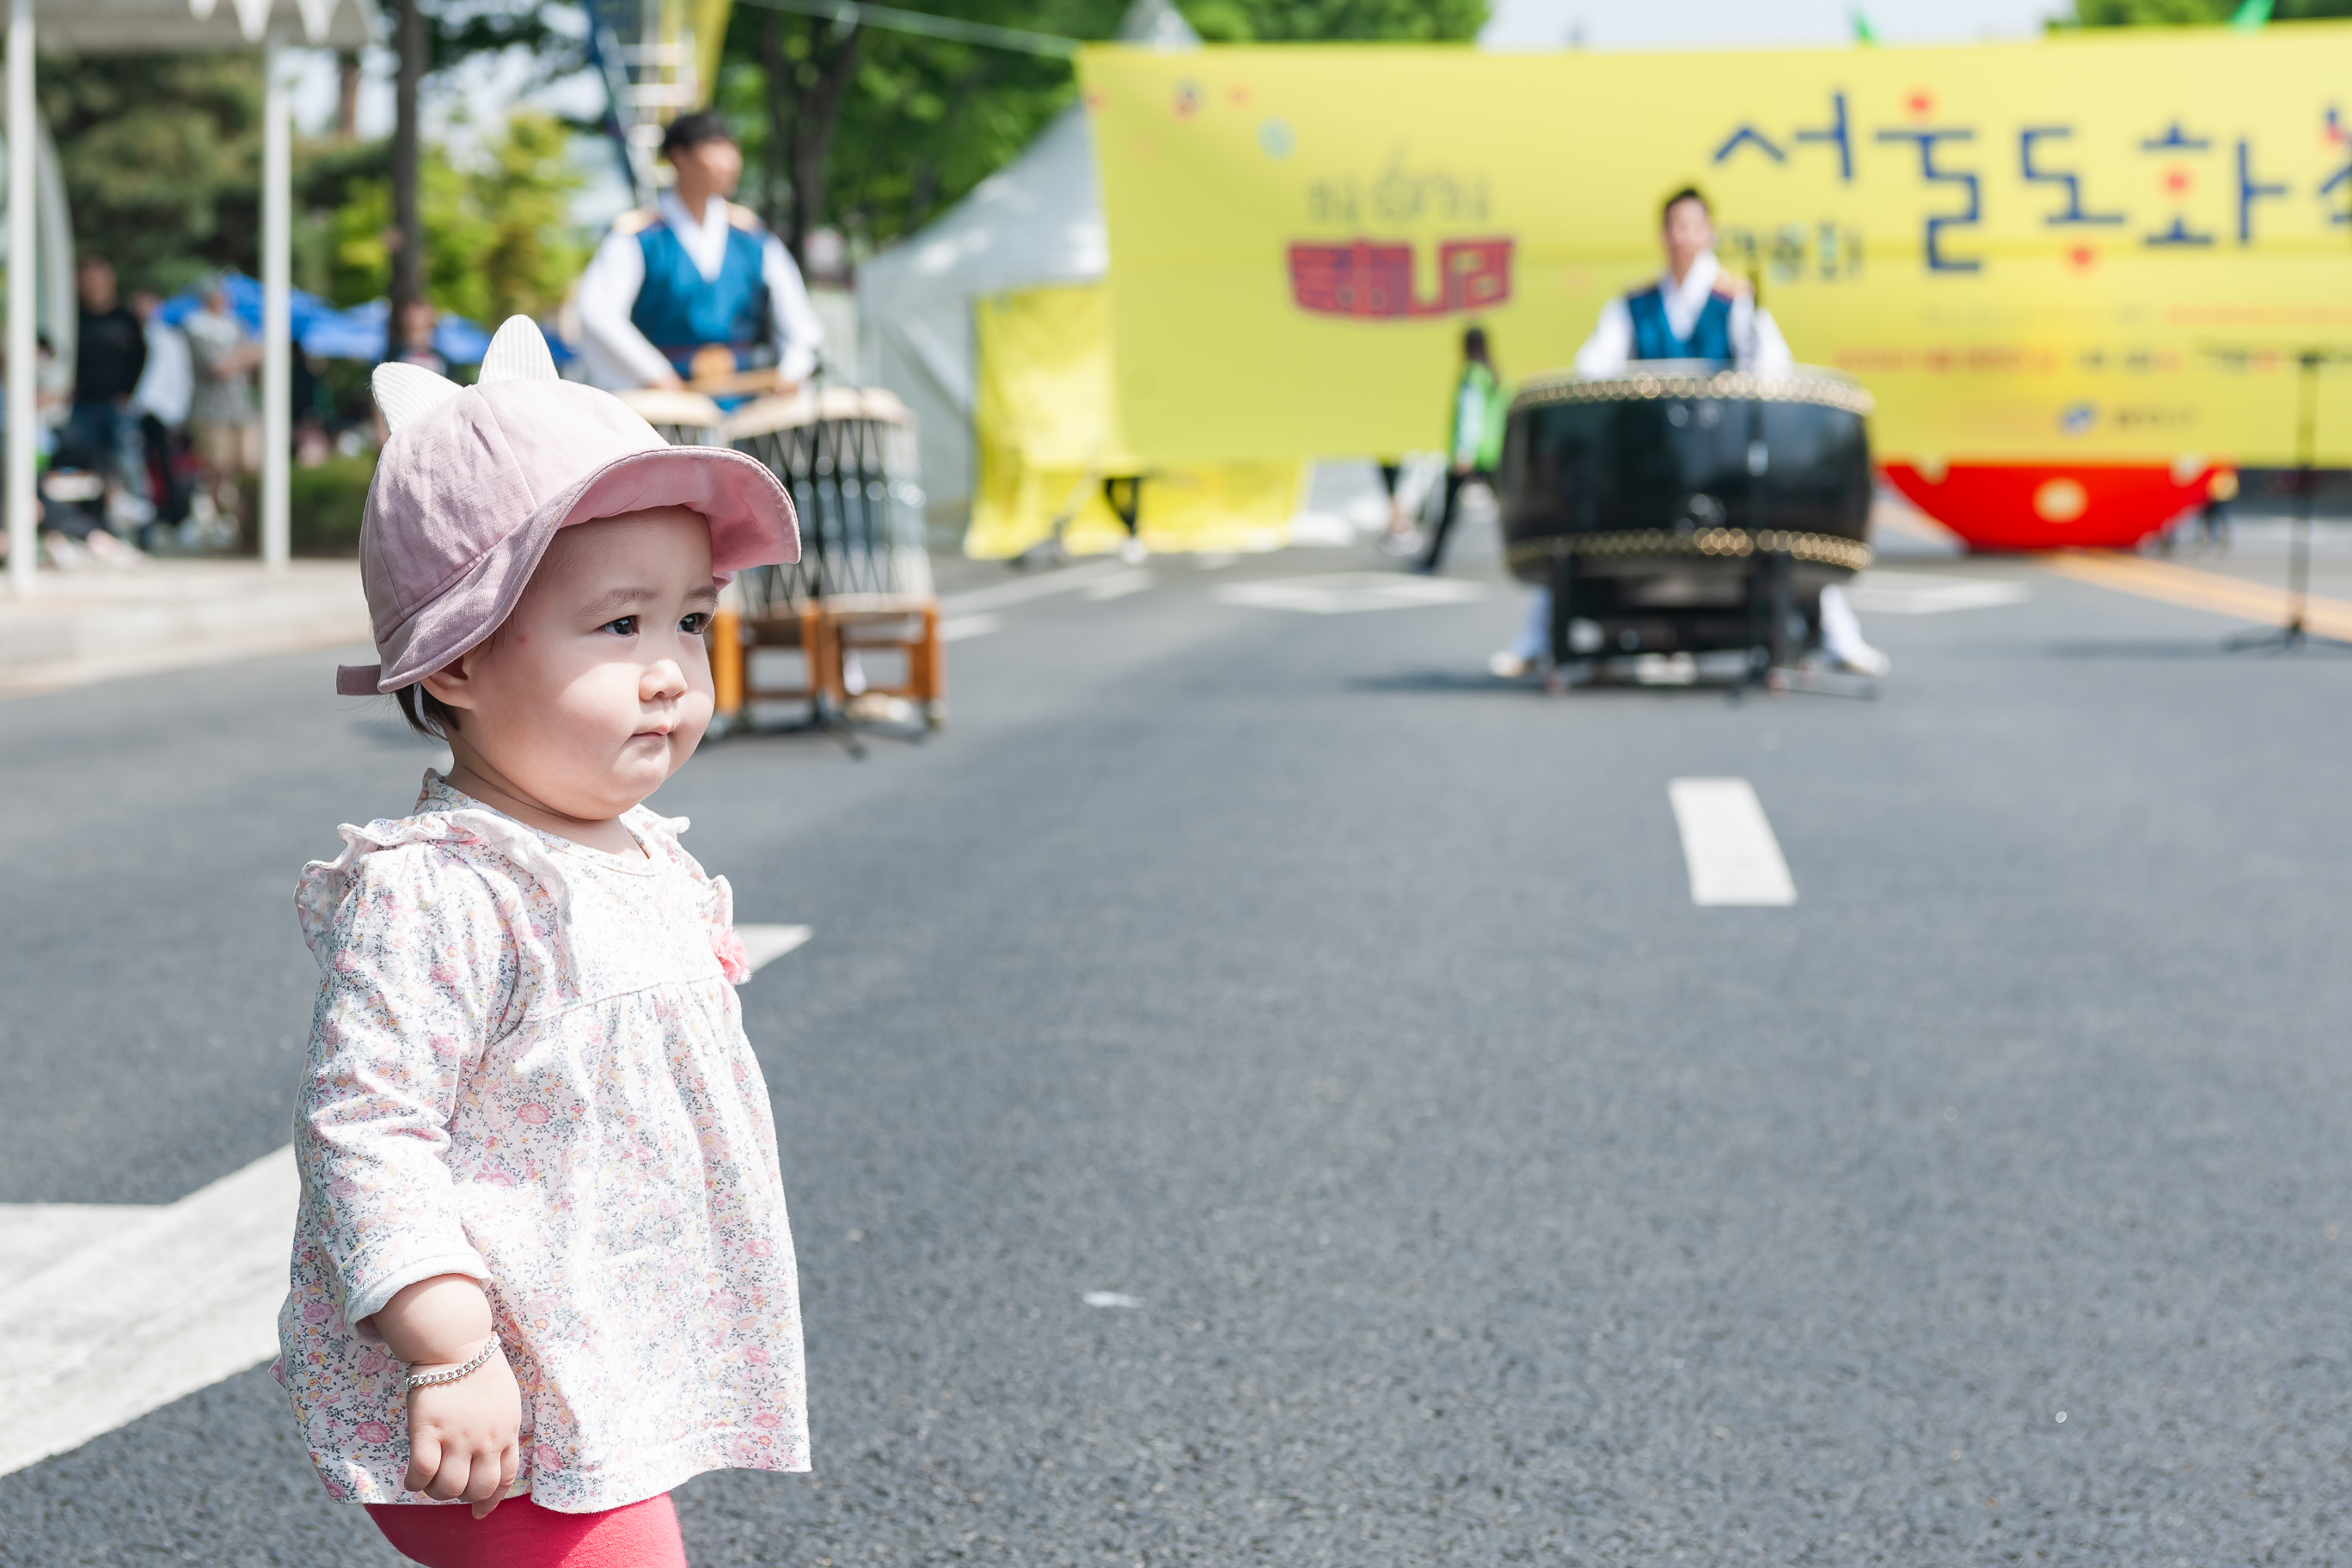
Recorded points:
(22, 275)
(277, 304)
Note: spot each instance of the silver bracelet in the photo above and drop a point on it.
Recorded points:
(481, 1358)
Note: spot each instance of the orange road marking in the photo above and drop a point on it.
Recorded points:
(2198, 590)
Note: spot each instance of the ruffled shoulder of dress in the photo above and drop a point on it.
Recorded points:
(445, 820)
(659, 835)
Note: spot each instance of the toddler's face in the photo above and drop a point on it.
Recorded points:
(598, 687)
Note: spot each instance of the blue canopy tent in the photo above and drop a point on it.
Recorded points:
(326, 332)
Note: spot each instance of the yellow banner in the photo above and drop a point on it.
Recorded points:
(2092, 247)
(1046, 424)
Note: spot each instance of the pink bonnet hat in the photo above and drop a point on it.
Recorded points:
(474, 481)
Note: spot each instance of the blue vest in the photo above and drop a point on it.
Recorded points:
(1710, 335)
(679, 311)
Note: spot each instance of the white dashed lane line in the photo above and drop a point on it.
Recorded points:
(1347, 593)
(110, 1311)
(1930, 593)
(1728, 844)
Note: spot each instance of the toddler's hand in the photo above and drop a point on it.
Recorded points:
(461, 1435)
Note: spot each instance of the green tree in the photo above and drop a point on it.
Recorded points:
(1304, 21)
(496, 238)
(2191, 13)
(873, 131)
(162, 158)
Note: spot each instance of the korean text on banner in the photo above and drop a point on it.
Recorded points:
(2088, 249)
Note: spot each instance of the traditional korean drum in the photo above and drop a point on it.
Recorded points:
(848, 457)
(684, 419)
(1685, 507)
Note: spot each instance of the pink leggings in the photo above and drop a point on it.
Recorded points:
(521, 1534)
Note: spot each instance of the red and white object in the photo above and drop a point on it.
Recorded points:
(2059, 506)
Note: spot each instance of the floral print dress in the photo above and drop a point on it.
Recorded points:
(526, 1065)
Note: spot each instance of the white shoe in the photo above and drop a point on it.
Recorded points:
(1506, 665)
(1132, 551)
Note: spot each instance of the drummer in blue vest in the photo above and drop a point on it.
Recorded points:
(1694, 310)
(694, 289)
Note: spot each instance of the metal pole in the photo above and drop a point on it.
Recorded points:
(276, 305)
(23, 543)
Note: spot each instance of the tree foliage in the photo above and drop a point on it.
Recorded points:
(917, 121)
(2191, 13)
(161, 157)
(1307, 21)
(495, 238)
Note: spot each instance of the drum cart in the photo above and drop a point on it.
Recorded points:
(862, 582)
(1687, 509)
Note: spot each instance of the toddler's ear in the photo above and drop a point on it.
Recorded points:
(453, 683)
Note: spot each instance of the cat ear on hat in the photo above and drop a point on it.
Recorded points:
(406, 393)
(517, 353)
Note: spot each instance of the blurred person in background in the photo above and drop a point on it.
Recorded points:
(1693, 309)
(413, 335)
(224, 420)
(110, 352)
(1480, 408)
(160, 404)
(695, 288)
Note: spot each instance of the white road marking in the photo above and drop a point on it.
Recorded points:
(1063, 580)
(1930, 593)
(164, 1301)
(110, 1311)
(1346, 593)
(1117, 587)
(955, 628)
(762, 945)
(1110, 1299)
(1728, 844)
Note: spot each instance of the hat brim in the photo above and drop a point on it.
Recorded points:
(751, 524)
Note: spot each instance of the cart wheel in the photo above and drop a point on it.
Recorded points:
(935, 715)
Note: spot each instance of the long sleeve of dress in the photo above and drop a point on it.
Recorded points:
(416, 979)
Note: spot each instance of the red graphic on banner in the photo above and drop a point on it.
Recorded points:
(1374, 282)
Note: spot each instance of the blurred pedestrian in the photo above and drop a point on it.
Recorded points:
(160, 403)
(695, 288)
(224, 420)
(2213, 517)
(412, 337)
(1480, 412)
(110, 353)
(1401, 538)
(542, 1267)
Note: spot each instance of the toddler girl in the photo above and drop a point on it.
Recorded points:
(542, 1253)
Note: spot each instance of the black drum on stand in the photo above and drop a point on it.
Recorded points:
(1683, 507)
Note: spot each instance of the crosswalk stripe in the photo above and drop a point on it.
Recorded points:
(1728, 844)
(110, 1311)
(171, 1299)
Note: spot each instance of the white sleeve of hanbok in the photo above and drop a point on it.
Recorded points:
(1757, 340)
(799, 335)
(1611, 342)
(618, 355)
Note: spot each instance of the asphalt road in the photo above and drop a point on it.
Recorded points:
(1487, 1201)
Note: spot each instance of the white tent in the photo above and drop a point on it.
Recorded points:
(1035, 223)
